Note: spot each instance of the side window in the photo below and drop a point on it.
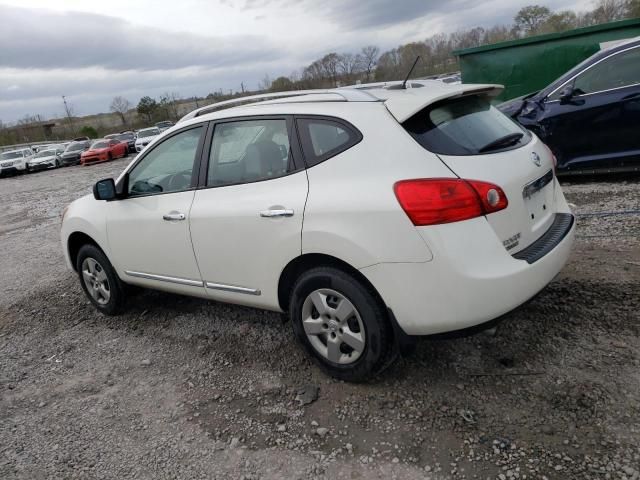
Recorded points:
(617, 71)
(324, 138)
(249, 151)
(168, 166)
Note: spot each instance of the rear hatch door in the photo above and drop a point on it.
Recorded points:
(477, 142)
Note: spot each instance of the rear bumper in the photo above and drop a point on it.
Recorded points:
(471, 280)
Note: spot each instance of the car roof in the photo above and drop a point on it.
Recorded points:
(402, 103)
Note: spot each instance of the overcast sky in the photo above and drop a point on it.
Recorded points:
(93, 50)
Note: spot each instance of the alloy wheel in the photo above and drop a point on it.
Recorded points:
(333, 326)
(96, 281)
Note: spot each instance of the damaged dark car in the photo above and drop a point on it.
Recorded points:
(589, 117)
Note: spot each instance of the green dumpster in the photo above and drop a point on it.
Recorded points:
(530, 64)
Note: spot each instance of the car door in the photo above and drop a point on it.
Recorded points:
(246, 223)
(595, 129)
(148, 231)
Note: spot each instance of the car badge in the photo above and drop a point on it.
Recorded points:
(535, 158)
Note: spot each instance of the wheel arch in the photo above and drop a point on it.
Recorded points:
(301, 264)
(75, 242)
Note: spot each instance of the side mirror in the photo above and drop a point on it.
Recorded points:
(567, 94)
(105, 190)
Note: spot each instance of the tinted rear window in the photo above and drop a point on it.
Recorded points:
(323, 138)
(463, 126)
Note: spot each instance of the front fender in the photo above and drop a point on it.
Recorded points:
(88, 216)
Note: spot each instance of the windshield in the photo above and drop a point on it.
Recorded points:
(149, 132)
(465, 126)
(100, 145)
(10, 155)
(164, 124)
(74, 147)
(46, 153)
(124, 137)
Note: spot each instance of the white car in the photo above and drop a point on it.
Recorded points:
(49, 158)
(371, 217)
(15, 161)
(146, 136)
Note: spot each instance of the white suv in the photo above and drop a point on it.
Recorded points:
(15, 161)
(370, 216)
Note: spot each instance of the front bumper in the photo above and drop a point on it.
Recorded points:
(93, 159)
(41, 166)
(9, 170)
(71, 160)
(471, 280)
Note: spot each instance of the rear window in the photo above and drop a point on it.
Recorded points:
(465, 126)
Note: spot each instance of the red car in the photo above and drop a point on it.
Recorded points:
(103, 151)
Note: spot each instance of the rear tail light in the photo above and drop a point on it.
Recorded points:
(445, 200)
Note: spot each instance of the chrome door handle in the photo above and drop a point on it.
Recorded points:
(276, 213)
(174, 217)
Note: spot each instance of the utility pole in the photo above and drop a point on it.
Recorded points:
(68, 110)
(242, 86)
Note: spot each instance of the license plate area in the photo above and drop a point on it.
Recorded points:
(539, 196)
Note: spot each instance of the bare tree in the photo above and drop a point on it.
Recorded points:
(121, 106)
(370, 56)
(610, 10)
(265, 83)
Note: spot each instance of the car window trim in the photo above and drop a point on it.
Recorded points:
(294, 149)
(587, 69)
(302, 138)
(609, 90)
(197, 161)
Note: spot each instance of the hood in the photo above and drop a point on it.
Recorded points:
(513, 107)
(48, 158)
(95, 150)
(145, 139)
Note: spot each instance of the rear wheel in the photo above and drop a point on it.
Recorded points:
(340, 323)
(109, 157)
(100, 281)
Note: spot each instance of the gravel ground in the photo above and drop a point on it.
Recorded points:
(184, 388)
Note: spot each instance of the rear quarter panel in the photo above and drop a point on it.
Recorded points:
(352, 212)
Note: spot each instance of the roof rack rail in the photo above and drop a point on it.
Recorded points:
(347, 94)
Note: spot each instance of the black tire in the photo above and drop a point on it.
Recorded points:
(57, 165)
(372, 312)
(110, 157)
(126, 153)
(116, 301)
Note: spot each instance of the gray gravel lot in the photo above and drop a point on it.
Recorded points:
(184, 388)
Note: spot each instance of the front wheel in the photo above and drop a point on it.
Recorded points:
(340, 323)
(100, 281)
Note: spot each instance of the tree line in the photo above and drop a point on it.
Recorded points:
(371, 65)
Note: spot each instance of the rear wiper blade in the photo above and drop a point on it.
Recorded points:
(505, 141)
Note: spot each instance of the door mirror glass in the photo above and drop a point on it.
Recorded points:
(105, 189)
(567, 94)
